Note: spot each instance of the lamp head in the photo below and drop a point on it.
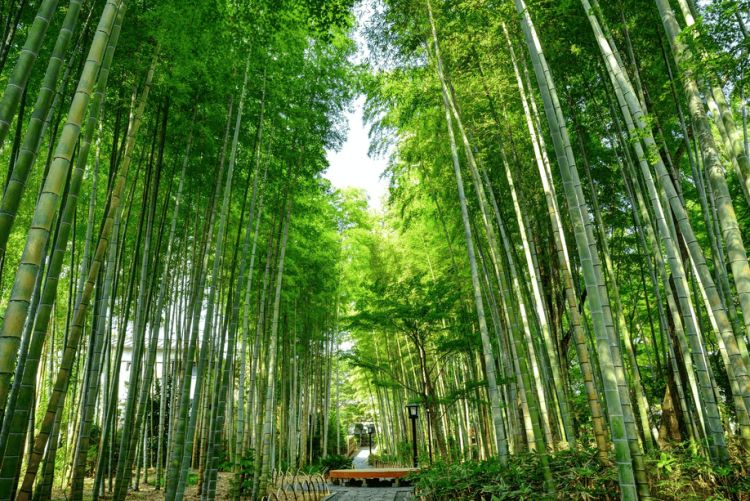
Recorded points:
(413, 410)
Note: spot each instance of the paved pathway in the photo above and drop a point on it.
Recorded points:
(370, 494)
(360, 461)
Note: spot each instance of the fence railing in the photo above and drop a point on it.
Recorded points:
(297, 486)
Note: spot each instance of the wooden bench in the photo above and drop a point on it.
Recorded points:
(395, 474)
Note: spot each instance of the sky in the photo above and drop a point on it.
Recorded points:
(351, 166)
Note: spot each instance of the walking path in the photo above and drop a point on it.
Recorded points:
(361, 460)
(344, 493)
(370, 494)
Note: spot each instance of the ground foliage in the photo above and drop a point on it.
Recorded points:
(678, 474)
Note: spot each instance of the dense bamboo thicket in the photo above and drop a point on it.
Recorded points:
(559, 277)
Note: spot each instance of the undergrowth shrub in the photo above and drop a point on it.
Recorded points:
(578, 475)
(680, 473)
(377, 460)
(242, 483)
(335, 462)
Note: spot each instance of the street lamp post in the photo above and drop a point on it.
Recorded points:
(370, 431)
(413, 415)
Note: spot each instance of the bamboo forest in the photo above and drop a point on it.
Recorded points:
(374, 250)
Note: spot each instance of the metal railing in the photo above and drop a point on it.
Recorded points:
(297, 486)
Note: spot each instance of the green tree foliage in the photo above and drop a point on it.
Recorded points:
(559, 276)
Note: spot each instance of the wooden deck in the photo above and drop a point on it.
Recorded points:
(340, 476)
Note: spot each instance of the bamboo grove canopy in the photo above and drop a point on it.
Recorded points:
(560, 269)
